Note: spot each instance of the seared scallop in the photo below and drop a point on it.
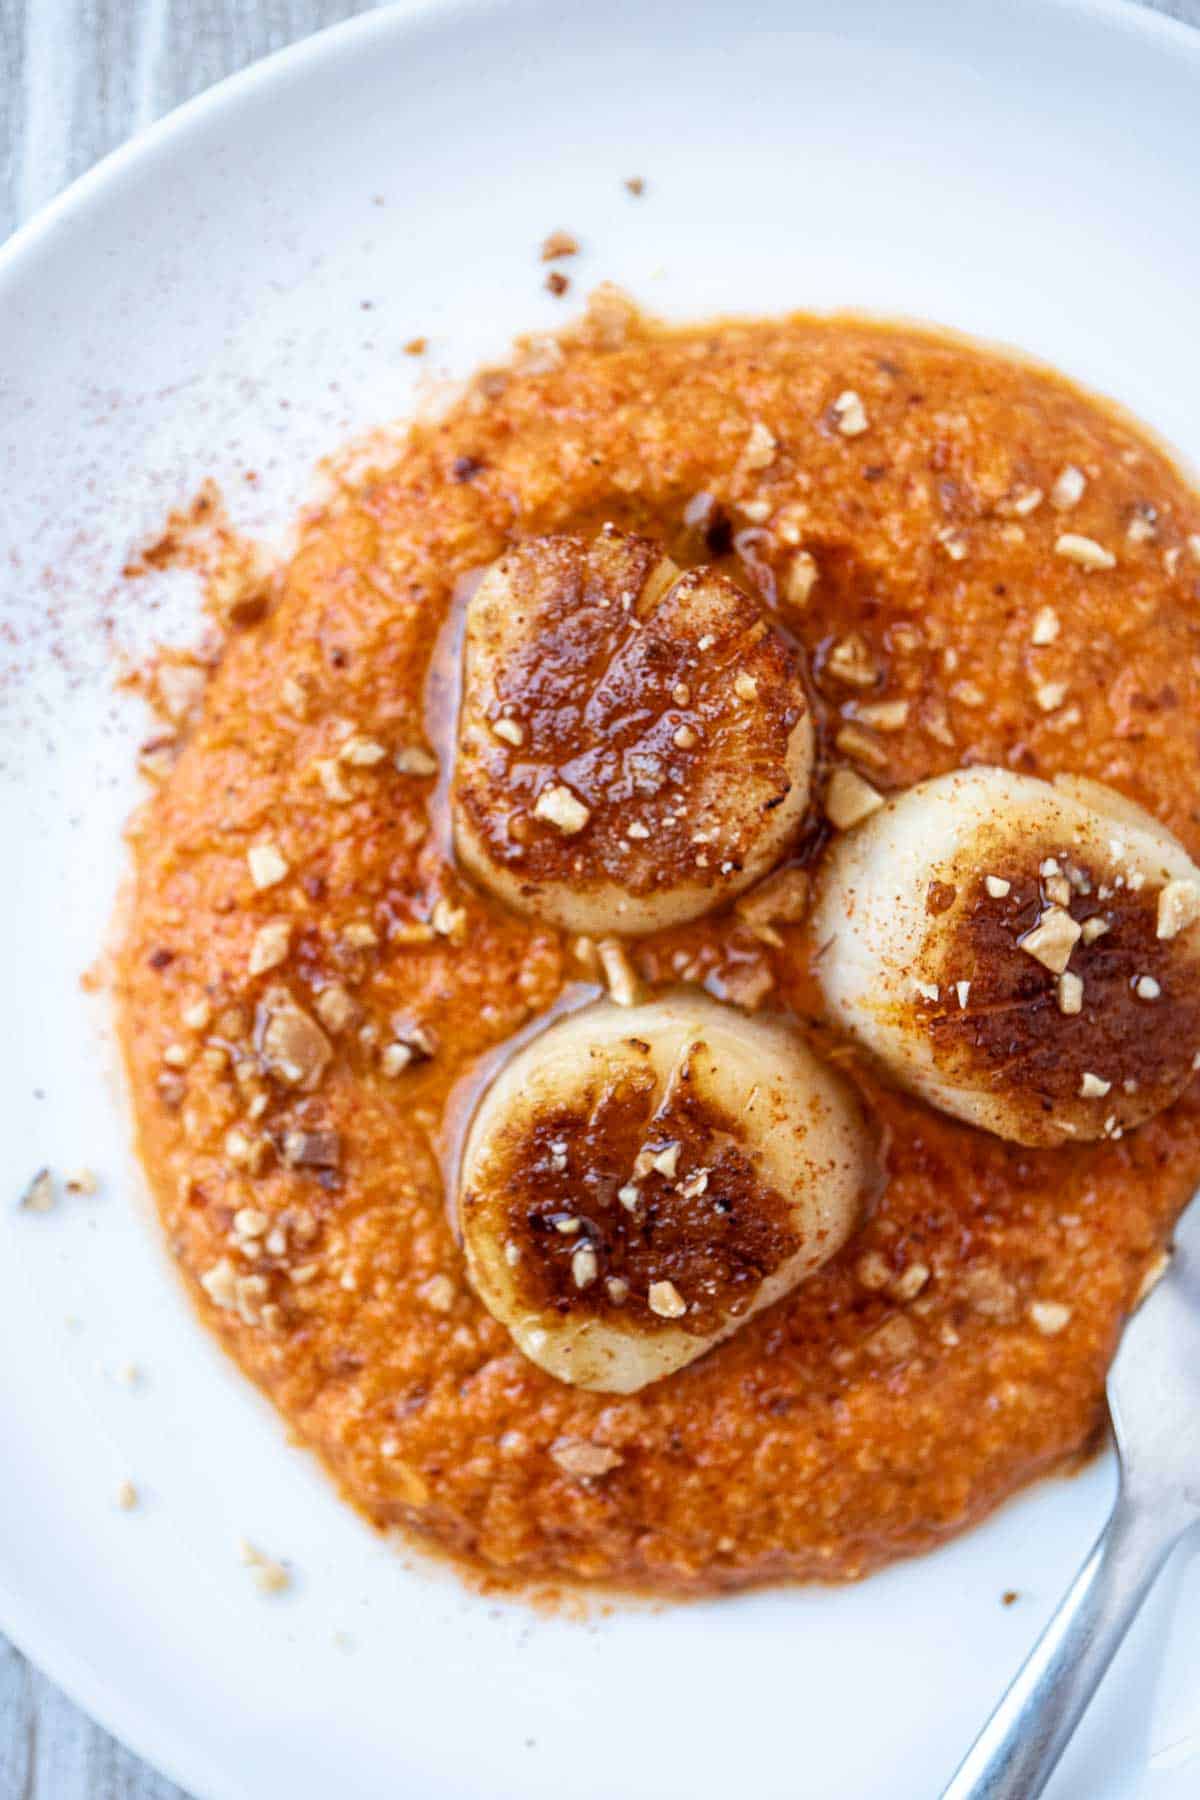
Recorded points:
(1024, 955)
(638, 1182)
(635, 746)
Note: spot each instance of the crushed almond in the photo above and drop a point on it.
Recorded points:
(82, 1181)
(1050, 1316)
(267, 866)
(269, 1577)
(849, 661)
(1046, 626)
(449, 921)
(40, 1195)
(127, 1496)
(883, 715)
(1146, 988)
(1050, 695)
(511, 731)
(559, 243)
(439, 1292)
(270, 947)
(1070, 993)
(745, 686)
(849, 799)
(362, 752)
(684, 738)
(334, 1007)
(583, 1460)
(584, 1266)
(1068, 488)
(781, 899)
(1093, 1087)
(997, 887)
(1178, 907)
(760, 447)
(849, 414)
(1084, 552)
(1052, 939)
(412, 759)
(1094, 928)
(559, 807)
(619, 973)
(853, 741)
(801, 579)
(326, 769)
(664, 1299)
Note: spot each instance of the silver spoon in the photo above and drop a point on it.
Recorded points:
(1154, 1399)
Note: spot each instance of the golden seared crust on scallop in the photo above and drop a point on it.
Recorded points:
(639, 1182)
(635, 744)
(1025, 956)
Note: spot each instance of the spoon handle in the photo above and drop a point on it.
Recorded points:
(1017, 1751)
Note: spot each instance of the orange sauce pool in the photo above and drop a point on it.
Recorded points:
(903, 1390)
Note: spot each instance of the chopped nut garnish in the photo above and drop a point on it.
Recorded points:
(883, 715)
(665, 1299)
(326, 769)
(1146, 988)
(197, 1016)
(853, 741)
(635, 829)
(617, 1289)
(629, 1196)
(962, 990)
(1070, 992)
(334, 1007)
(909, 1283)
(1084, 551)
(362, 752)
(782, 899)
(576, 1457)
(360, 934)
(127, 1496)
(1022, 501)
(954, 543)
(619, 973)
(745, 686)
(997, 887)
(801, 579)
(559, 243)
(250, 1222)
(1093, 1087)
(1058, 889)
(1068, 488)
(873, 1271)
(269, 1577)
(1050, 1316)
(894, 1340)
(439, 1292)
(850, 661)
(760, 447)
(559, 807)
(178, 1056)
(270, 947)
(220, 1284)
(413, 760)
(312, 1149)
(849, 799)
(82, 1181)
(685, 738)
(449, 921)
(584, 1266)
(849, 414)
(1094, 928)
(39, 1196)
(1050, 695)
(927, 990)
(681, 693)
(291, 1044)
(395, 1058)
(1052, 939)
(510, 730)
(1045, 626)
(1178, 907)
(267, 866)
(666, 1161)
(292, 693)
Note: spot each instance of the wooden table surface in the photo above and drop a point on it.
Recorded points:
(78, 77)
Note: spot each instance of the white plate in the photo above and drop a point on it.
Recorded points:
(197, 307)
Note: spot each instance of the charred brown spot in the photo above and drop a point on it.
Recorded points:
(707, 1224)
